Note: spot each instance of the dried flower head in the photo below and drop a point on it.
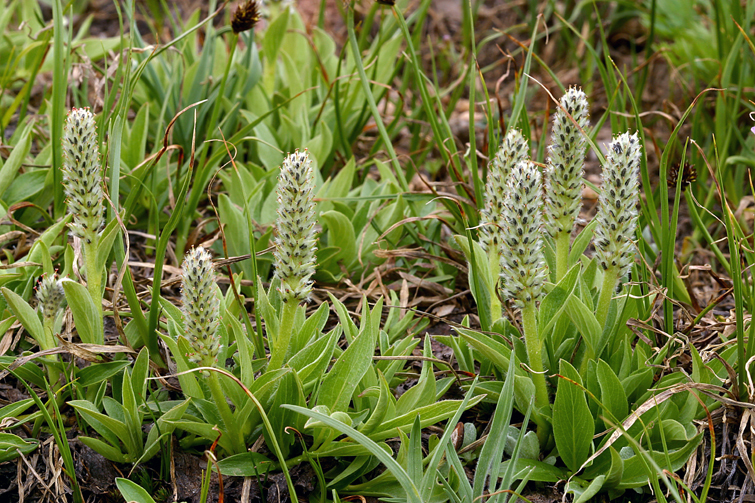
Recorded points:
(617, 216)
(245, 17)
(296, 242)
(201, 307)
(50, 296)
(82, 175)
(513, 150)
(565, 167)
(688, 175)
(523, 268)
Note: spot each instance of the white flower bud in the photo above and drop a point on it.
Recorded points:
(620, 194)
(523, 268)
(296, 242)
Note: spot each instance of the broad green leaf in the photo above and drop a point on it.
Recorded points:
(16, 409)
(573, 425)
(422, 393)
(246, 464)
(15, 159)
(339, 384)
(584, 494)
(139, 374)
(179, 349)
(108, 451)
(111, 429)
(132, 492)
(585, 321)
(543, 472)
(341, 235)
(635, 469)
(105, 246)
(206, 431)
(385, 407)
(430, 414)
(412, 494)
(611, 393)
(98, 372)
(27, 316)
(84, 312)
(12, 445)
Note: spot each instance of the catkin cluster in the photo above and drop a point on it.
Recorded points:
(82, 175)
(523, 269)
(617, 216)
(513, 149)
(50, 296)
(566, 159)
(295, 244)
(201, 307)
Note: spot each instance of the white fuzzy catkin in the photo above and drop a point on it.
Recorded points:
(523, 268)
(513, 149)
(82, 175)
(617, 215)
(296, 242)
(201, 307)
(50, 296)
(566, 160)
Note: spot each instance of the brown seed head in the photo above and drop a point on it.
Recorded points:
(246, 16)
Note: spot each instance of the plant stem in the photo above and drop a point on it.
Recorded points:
(283, 339)
(94, 285)
(562, 254)
(496, 310)
(225, 413)
(610, 277)
(535, 355)
(53, 373)
(534, 352)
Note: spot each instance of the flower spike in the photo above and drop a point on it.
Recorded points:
(201, 307)
(82, 175)
(513, 149)
(296, 243)
(566, 159)
(617, 216)
(523, 269)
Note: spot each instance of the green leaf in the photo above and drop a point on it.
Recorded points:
(84, 312)
(422, 393)
(15, 159)
(206, 431)
(585, 321)
(132, 492)
(108, 451)
(246, 464)
(140, 373)
(98, 372)
(635, 468)
(385, 407)
(339, 384)
(612, 393)
(543, 472)
(105, 246)
(11, 446)
(15, 409)
(430, 415)
(584, 494)
(412, 494)
(26, 315)
(573, 425)
(492, 451)
(111, 429)
(341, 235)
